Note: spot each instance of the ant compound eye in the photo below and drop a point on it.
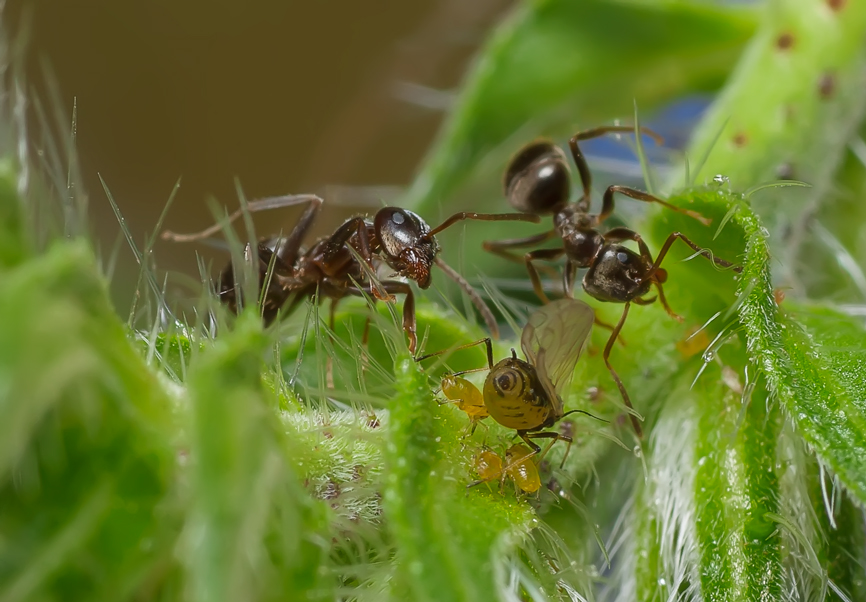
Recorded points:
(622, 257)
(399, 230)
(537, 179)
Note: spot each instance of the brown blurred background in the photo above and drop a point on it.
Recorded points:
(285, 97)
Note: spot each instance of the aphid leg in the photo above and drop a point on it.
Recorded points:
(484, 217)
(606, 355)
(533, 273)
(704, 252)
(637, 195)
(487, 343)
(580, 160)
(501, 248)
(473, 295)
(275, 202)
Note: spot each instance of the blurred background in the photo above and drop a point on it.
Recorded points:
(339, 98)
(282, 97)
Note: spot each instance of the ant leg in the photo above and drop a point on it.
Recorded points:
(290, 247)
(664, 302)
(705, 252)
(486, 342)
(341, 238)
(500, 248)
(274, 202)
(484, 217)
(569, 273)
(549, 435)
(533, 273)
(580, 160)
(637, 195)
(476, 299)
(391, 288)
(598, 322)
(606, 355)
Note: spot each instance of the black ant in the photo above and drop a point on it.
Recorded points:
(537, 182)
(396, 237)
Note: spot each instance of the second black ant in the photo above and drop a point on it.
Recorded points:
(537, 182)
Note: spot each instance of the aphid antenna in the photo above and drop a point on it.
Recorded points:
(585, 413)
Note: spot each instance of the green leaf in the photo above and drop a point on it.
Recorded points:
(86, 450)
(817, 371)
(789, 109)
(445, 539)
(701, 520)
(252, 531)
(557, 62)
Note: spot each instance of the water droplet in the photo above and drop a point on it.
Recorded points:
(637, 451)
(662, 581)
(720, 179)
(702, 461)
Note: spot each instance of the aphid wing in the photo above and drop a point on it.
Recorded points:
(560, 329)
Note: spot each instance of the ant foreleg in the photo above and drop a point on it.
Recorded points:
(549, 254)
(580, 160)
(632, 413)
(484, 217)
(664, 303)
(637, 195)
(473, 295)
(392, 288)
(704, 252)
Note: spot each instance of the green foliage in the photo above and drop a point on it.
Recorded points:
(297, 463)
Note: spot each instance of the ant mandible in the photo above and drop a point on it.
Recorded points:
(537, 182)
(399, 238)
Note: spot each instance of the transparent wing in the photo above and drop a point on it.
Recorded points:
(553, 340)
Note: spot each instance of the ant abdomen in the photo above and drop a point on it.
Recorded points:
(537, 179)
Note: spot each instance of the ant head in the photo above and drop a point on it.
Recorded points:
(537, 179)
(406, 242)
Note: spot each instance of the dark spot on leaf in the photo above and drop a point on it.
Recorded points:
(836, 5)
(785, 41)
(740, 139)
(827, 86)
(357, 472)
(327, 434)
